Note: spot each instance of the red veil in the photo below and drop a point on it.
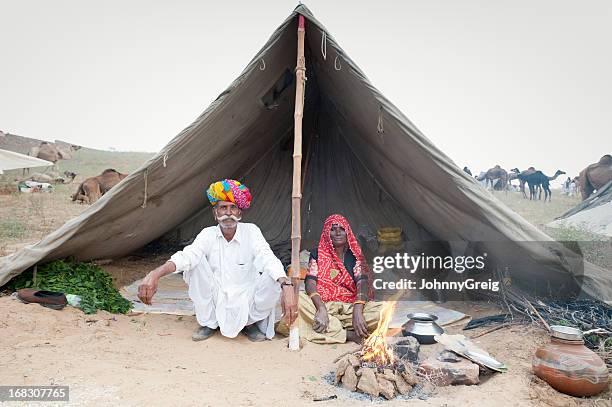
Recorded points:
(340, 287)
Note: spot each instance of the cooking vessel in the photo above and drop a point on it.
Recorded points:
(423, 327)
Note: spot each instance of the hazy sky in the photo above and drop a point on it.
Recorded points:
(515, 83)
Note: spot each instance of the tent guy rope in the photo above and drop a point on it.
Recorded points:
(144, 202)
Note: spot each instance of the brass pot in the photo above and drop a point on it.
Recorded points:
(423, 327)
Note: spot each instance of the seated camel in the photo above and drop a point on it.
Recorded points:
(53, 177)
(93, 188)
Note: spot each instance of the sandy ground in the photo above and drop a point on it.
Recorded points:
(151, 360)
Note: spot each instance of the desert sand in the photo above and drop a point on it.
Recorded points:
(137, 360)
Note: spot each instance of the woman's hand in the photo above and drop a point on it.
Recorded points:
(359, 323)
(321, 320)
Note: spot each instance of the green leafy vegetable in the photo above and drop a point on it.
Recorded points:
(87, 280)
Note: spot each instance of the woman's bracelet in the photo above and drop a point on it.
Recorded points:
(313, 294)
(359, 302)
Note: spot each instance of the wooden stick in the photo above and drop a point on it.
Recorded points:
(535, 311)
(488, 331)
(296, 195)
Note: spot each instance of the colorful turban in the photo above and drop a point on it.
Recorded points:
(231, 191)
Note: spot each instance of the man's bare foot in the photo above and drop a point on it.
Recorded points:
(352, 336)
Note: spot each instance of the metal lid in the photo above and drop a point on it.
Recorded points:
(422, 316)
(566, 332)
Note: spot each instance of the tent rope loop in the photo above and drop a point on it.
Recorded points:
(262, 64)
(380, 128)
(165, 159)
(324, 45)
(303, 69)
(144, 202)
(337, 65)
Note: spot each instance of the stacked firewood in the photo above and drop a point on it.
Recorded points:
(388, 381)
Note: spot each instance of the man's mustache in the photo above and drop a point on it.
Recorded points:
(226, 217)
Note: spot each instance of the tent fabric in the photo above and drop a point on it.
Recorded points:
(362, 158)
(10, 160)
(593, 214)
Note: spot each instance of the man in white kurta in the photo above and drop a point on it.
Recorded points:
(235, 280)
(232, 284)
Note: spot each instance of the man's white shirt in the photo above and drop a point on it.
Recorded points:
(231, 283)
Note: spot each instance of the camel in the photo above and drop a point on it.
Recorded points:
(51, 152)
(53, 178)
(532, 179)
(537, 180)
(512, 175)
(495, 173)
(520, 175)
(93, 188)
(595, 176)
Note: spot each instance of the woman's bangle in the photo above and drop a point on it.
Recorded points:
(359, 302)
(313, 294)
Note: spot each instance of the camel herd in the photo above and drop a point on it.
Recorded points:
(592, 178)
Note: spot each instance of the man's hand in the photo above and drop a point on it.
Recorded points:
(359, 323)
(289, 304)
(321, 320)
(148, 288)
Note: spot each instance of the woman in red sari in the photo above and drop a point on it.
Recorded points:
(334, 308)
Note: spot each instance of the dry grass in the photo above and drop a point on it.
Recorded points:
(26, 218)
(539, 213)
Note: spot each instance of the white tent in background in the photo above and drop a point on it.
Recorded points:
(10, 160)
(593, 214)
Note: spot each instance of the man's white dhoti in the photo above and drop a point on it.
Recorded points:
(232, 284)
(233, 306)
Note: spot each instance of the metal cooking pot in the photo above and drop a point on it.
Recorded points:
(423, 327)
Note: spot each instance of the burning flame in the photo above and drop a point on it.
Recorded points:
(375, 346)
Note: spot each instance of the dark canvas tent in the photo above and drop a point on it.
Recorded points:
(362, 158)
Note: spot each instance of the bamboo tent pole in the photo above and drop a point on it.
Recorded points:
(296, 195)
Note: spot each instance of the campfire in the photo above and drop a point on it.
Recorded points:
(384, 365)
